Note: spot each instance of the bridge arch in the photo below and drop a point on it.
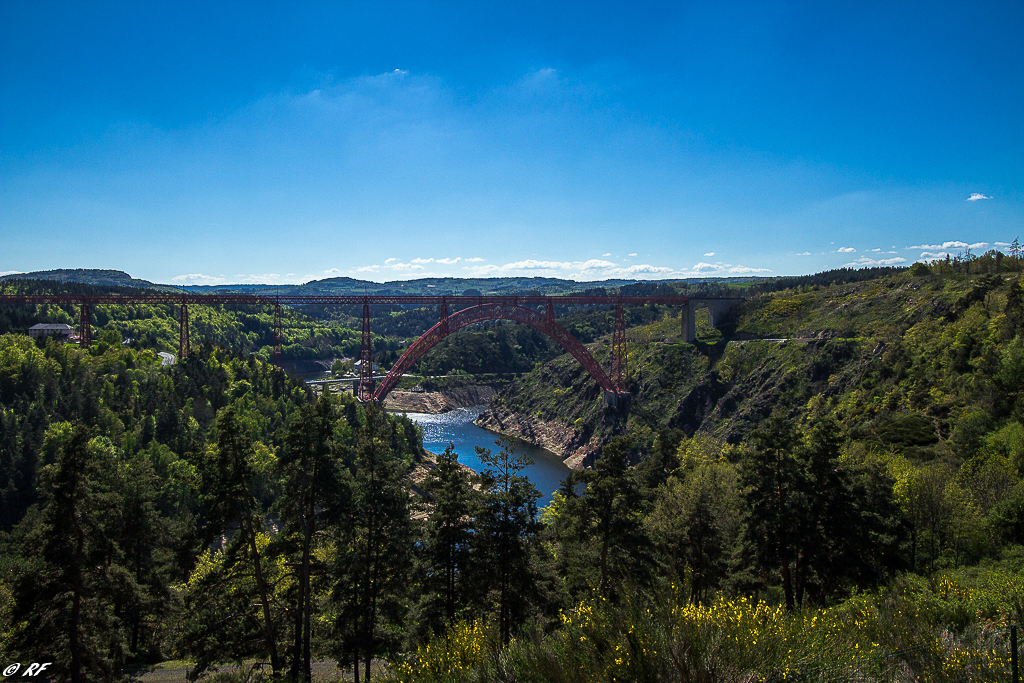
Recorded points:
(497, 311)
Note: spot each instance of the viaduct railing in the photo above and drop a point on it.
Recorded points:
(468, 310)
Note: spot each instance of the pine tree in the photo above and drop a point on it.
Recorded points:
(228, 482)
(507, 528)
(373, 548)
(601, 531)
(63, 610)
(445, 559)
(773, 479)
(314, 494)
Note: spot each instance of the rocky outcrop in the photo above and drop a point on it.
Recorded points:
(575, 450)
(439, 401)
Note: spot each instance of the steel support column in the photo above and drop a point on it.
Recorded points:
(549, 315)
(444, 315)
(619, 370)
(366, 357)
(278, 351)
(184, 345)
(84, 326)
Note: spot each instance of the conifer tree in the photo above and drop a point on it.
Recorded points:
(445, 559)
(773, 477)
(374, 548)
(314, 493)
(507, 528)
(63, 609)
(602, 530)
(228, 481)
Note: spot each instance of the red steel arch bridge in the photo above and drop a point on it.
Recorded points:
(455, 313)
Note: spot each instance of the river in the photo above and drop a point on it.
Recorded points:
(456, 426)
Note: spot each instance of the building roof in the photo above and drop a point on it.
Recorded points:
(63, 327)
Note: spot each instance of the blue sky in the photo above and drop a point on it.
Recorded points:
(247, 142)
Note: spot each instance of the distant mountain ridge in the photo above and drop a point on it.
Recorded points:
(348, 286)
(89, 276)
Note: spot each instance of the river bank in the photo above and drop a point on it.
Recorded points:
(441, 401)
(567, 443)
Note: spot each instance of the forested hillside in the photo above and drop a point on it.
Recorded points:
(829, 482)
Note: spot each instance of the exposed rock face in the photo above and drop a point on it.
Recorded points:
(439, 401)
(557, 437)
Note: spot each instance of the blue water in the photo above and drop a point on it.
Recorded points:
(546, 472)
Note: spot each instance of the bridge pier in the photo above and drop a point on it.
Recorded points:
(615, 399)
(688, 323)
(366, 384)
(184, 345)
(84, 326)
(716, 309)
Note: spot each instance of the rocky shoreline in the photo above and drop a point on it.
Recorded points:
(434, 402)
(559, 438)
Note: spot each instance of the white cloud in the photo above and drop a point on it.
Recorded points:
(481, 271)
(533, 264)
(710, 253)
(865, 261)
(390, 260)
(368, 269)
(449, 261)
(702, 266)
(804, 253)
(423, 260)
(332, 271)
(746, 269)
(475, 259)
(596, 263)
(846, 250)
(953, 244)
(199, 279)
(933, 255)
(591, 269)
(1004, 244)
(10, 272)
(633, 254)
(604, 255)
(975, 196)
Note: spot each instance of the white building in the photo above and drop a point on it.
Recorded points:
(51, 330)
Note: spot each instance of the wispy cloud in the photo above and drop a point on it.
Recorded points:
(199, 279)
(710, 253)
(703, 266)
(846, 250)
(449, 261)
(804, 253)
(746, 269)
(606, 255)
(975, 196)
(953, 244)
(864, 261)
(475, 259)
(632, 255)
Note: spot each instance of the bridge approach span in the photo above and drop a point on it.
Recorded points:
(471, 309)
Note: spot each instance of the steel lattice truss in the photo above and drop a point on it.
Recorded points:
(470, 310)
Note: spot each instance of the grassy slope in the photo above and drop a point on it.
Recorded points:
(902, 360)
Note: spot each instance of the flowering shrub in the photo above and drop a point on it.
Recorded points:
(903, 633)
